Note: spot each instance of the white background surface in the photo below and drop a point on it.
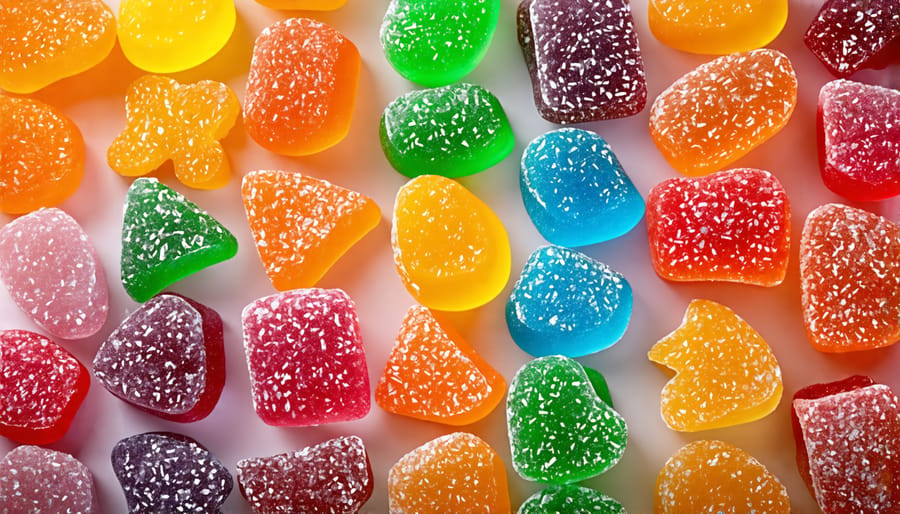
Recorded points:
(95, 101)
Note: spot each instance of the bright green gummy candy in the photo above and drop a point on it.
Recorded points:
(570, 499)
(451, 131)
(560, 430)
(166, 238)
(437, 42)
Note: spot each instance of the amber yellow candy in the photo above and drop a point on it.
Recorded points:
(310, 5)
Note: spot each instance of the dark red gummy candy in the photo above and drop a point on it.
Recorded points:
(848, 35)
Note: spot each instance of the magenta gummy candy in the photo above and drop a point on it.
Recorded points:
(848, 35)
(35, 479)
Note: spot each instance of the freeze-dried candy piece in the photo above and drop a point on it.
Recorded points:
(716, 477)
(451, 250)
(302, 225)
(567, 303)
(166, 358)
(859, 140)
(47, 40)
(41, 155)
(433, 374)
(437, 42)
(848, 35)
(165, 36)
(850, 279)
(183, 123)
(583, 58)
(301, 88)
(713, 27)
(165, 238)
(451, 131)
(52, 272)
(723, 109)
(726, 374)
(35, 479)
(732, 226)
(167, 472)
(575, 190)
(306, 359)
(41, 388)
(560, 431)
(310, 5)
(334, 476)
(570, 499)
(457, 472)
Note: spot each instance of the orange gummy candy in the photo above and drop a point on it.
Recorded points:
(41, 155)
(458, 472)
(726, 373)
(302, 225)
(184, 123)
(433, 374)
(310, 5)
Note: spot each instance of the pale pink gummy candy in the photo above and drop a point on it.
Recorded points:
(35, 479)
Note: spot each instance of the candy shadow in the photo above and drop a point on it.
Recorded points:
(228, 64)
(110, 78)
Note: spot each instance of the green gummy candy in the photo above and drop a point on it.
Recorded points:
(165, 238)
(560, 430)
(599, 384)
(451, 131)
(570, 499)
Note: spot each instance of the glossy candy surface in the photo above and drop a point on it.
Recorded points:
(848, 35)
(35, 479)
(570, 499)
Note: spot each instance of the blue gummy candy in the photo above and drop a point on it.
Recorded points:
(575, 189)
(566, 303)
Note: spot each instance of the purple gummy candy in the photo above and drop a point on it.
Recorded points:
(583, 58)
(167, 358)
(166, 472)
(848, 35)
(52, 272)
(334, 476)
(306, 359)
(35, 479)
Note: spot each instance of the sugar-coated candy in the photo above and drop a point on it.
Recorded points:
(575, 189)
(732, 226)
(437, 42)
(583, 57)
(726, 374)
(35, 479)
(41, 155)
(458, 472)
(851, 436)
(167, 120)
(849, 278)
(41, 388)
(166, 36)
(716, 477)
(311, 5)
(44, 41)
(166, 358)
(168, 472)
(848, 35)
(560, 430)
(570, 499)
(435, 375)
(306, 359)
(333, 476)
(723, 109)
(301, 87)
(451, 250)
(302, 225)
(53, 273)
(165, 238)
(451, 131)
(713, 27)
(859, 140)
(565, 302)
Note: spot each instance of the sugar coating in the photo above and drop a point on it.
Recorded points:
(723, 109)
(451, 131)
(167, 472)
(849, 279)
(306, 359)
(560, 431)
(847, 35)
(575, 189)
(42, 481)
(458, 472)
(53, 273)
(570, 499)
(333, 476)
(583, 57)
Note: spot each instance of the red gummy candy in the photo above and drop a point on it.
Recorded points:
(848, 35)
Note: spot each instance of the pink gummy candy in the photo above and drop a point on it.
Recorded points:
(306, 359)
(52, 272)
(35, 479)
(848, 35)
